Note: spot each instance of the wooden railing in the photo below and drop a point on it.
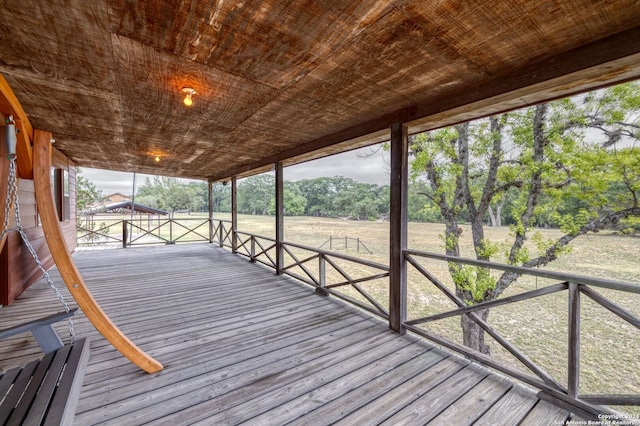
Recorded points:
(257, 248)
(144, 232)
(576, 287)
(221, 232)
(326, 271)
(169, 231)
(89, 234)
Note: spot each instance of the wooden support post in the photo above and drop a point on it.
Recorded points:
(398, 228)
(322, 276)
(234, 214)
(66, 267)
(279, 217)
(124, 234)
(210, 196)
(573, 379)
(253, 248)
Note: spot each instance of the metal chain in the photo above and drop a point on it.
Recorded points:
(12, 197)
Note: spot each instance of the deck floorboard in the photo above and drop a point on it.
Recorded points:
(242, 345)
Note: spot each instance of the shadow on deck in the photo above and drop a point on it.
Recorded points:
(240, 344)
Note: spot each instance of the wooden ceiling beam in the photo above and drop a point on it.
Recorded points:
(9, 105)
(608, 61)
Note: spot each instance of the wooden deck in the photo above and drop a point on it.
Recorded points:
(242, 345)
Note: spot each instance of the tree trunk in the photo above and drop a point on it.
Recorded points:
(495, 218)
(492, 217)
(473, 335)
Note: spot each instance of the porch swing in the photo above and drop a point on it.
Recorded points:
(41, 329)
(58, 249)
(45, 391)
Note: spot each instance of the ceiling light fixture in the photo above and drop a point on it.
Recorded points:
(157, 158)
(189, 92)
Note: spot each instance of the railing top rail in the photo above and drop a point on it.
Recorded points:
(221, 220)
(262, 237)
(323, 252)
(561, 276)
(166, 219)
(119, 218)
(339, 256)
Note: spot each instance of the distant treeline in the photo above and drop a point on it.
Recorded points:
(321, 197)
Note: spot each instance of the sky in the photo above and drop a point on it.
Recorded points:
(368, 165)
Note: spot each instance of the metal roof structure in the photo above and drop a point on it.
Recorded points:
(128, 205)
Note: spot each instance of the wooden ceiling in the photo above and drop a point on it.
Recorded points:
(285, 80)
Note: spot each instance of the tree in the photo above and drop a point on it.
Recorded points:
(221, 197)
(179, 197)
(536, 160)
(294, 202)
(148, 200)
(86, 192)
(324, 195)
(201, 196)
(169, 193)
(418, 211)
(255, 193)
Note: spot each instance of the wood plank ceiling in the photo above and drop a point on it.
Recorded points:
(277, 79)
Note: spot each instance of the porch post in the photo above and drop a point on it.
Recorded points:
(279, 217)
(398, 227)
(234, 214)
(573, 368)
(210, 195)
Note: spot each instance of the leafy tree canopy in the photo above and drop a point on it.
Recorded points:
(572, 163)
(86, 192)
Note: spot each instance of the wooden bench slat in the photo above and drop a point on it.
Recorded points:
(45, 391)
(63, 405)
(24, 403)
(14, 394)
(36, 399)
(7, 379)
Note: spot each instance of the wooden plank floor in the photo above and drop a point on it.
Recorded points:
(242, 345)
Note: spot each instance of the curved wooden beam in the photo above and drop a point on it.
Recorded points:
(4, 178)
(9, 105)
(68, 270)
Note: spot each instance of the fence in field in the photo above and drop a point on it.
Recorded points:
(336, 243)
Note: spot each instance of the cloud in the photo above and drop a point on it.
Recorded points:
(363, 165)
(110, 182)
